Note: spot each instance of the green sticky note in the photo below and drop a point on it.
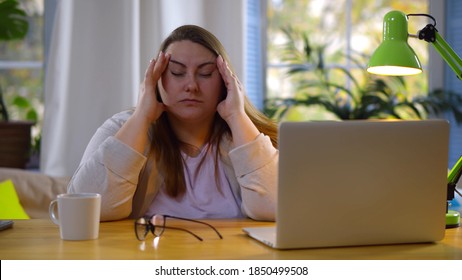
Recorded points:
(10, 207)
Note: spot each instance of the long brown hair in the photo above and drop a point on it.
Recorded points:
(165, 144)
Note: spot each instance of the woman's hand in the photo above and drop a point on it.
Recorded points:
(149, 108)
(233, 105)
(134, 131)
(232, 110)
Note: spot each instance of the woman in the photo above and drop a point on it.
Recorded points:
(193, 147)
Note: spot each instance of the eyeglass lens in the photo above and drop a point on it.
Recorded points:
(141, 228)
(159, 224)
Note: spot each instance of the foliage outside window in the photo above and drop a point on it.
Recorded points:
(345, 32)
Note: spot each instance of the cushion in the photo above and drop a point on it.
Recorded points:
(10, 208)
(35, 190)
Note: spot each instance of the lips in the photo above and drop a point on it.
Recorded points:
(190, 101)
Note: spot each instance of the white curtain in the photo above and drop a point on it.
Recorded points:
(99, 51)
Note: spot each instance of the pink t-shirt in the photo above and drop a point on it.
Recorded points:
(203, 198)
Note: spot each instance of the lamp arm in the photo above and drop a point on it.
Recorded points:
(453, 177)
(431, 35)
(456, 172)
(448, 54)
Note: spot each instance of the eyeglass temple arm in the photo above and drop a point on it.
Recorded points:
(182, 229)
(196, 221)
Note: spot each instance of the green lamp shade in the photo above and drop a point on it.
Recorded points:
(394, 56)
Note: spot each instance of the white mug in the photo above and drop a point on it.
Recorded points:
(78, 215)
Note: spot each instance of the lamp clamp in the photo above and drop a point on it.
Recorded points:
(428, 33)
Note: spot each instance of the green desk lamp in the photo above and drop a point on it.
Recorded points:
(394, 57)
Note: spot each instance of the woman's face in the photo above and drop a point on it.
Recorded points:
(191, 84)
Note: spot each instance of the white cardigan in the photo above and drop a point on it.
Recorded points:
(128, 181)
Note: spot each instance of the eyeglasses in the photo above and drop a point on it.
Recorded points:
(157, 224)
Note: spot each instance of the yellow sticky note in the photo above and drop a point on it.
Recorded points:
(10, 207)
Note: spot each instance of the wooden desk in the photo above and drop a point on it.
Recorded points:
(39, 239)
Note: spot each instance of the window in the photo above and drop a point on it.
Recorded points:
(21, 68)
(343, 28)
(453, 35)
(350, 28)
(254, 51)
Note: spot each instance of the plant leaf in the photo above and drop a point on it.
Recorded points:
(32, 115)
(21, 102)
(13, 21)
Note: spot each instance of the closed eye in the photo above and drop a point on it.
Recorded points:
(177, 74)
(205, 74)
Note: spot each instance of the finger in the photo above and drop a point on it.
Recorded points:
(226, 73)
(223, 68)
(150, 68)
(161, 65)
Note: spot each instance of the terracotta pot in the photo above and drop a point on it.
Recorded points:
(15, 143)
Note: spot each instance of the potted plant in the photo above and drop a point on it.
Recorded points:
(15, 140)
(322, 87)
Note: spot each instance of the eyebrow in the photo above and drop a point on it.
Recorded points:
(200, 65)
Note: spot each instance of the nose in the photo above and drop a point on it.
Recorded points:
(191, 84)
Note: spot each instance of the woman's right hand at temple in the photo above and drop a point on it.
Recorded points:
(134, 131)
(149, 106)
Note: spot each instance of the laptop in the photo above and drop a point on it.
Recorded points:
(354, 183)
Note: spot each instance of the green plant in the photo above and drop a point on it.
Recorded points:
(13, 26)
(367, 97)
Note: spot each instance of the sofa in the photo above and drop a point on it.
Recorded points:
(34, 190)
